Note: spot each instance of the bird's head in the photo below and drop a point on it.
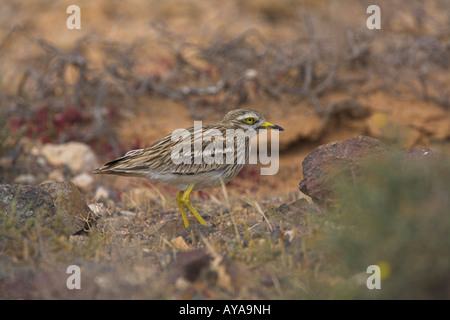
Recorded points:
(248, 119)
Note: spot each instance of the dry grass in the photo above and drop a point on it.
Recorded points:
(395, 217)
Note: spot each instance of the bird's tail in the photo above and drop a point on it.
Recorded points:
(123, 167)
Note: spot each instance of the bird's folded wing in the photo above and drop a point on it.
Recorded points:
(189, 154)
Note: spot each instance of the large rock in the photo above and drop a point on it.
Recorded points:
(320, 166)
(50, 204)
(326, 162)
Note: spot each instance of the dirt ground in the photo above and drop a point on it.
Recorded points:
(424, 122)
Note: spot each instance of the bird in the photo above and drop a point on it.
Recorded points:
(184, 158)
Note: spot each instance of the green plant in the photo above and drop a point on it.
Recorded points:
(397, 217)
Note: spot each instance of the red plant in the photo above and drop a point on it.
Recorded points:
(48, 126)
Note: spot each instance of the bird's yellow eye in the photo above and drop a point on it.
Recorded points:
(250, 120)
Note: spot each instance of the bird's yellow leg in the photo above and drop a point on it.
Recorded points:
(187, 202)
(182, 210)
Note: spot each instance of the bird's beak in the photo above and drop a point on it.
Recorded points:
(270, 126)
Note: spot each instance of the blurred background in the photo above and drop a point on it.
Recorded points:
(139, 69)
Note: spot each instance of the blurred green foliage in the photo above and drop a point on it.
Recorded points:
(397, 216)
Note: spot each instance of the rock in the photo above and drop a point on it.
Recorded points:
(188, 264)
(77, 156)
(83, 181)
(70, 202)
(179, 244)
(51, 203)
(25, 202)
(101, 193)
(26, 178)
(322, 165)
(217, 270)
(97, 208)
(324, 162)
(56, 175)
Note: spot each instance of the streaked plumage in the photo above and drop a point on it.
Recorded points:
(156, 163)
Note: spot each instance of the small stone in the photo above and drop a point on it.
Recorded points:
(83, 180)
(101, 193)
(179, 244)
(289, 235)
(250, 74)
(56, 176)
(188, 264)
(26, 178)
(97, 208)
